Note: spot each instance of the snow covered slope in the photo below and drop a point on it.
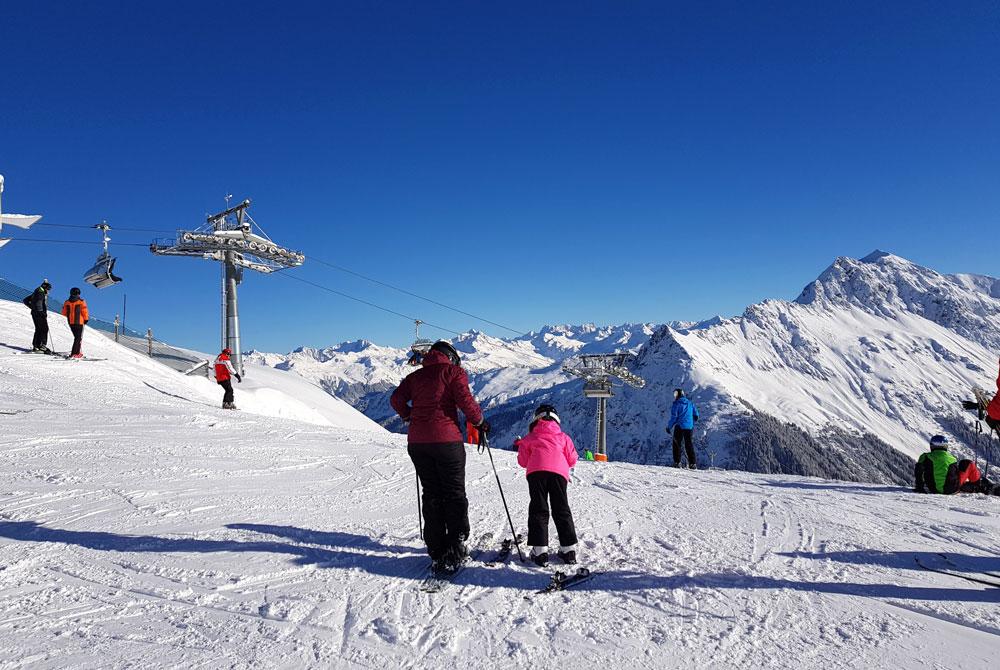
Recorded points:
(141, 526)
(847, 381)
(267, 391)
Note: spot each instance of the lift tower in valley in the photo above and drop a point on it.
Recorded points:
(234, 239)
(598, 372)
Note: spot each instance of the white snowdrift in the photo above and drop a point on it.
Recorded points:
(264, 391)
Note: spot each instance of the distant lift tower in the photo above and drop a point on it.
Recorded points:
(19, 220)
(598, 372)
(234, 239)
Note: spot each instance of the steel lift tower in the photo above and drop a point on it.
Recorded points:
(598, 371)
(234, 239)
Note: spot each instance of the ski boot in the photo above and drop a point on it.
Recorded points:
(447, 565)
(541, 560)
(693, 466)
(568, 557)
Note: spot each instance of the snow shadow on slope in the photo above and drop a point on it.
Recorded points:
(330, 538)
(410, 563)
(906, 560)
(861, 489)
(625, 581)
(396, 564)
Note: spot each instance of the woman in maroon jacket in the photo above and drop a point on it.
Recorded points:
(429, 400)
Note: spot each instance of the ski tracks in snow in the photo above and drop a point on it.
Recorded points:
(161, 538)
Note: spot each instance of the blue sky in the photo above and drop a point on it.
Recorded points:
(566, 163)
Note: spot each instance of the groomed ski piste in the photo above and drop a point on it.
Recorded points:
(142, 526)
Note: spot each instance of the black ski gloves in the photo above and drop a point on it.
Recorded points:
(484, 426)
(239, 380)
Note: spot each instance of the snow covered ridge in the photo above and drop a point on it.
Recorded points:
(869, 361)
(118, 374)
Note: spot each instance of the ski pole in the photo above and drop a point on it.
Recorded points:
(977, 446)
(420, 514)
(484, 443)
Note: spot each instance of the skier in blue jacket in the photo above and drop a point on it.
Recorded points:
(683, 415)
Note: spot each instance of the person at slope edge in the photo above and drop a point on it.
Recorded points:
(683, 415)
(428, 400)
(937, 471)
(993, 410)
(77, 316)
(224, 372)
(38, 303)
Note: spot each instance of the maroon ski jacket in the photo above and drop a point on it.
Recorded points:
(430, 399)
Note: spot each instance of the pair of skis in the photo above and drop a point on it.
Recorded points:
(560, 581)
(434, 582)
(65, 357)
(994, 582)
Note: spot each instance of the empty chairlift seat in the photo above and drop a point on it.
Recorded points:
(102, 274)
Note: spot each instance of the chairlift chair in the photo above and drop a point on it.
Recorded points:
(420, 347)
(102, 275)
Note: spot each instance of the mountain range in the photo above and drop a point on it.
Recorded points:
(849, 380)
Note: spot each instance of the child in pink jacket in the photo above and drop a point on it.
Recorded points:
(547, 454)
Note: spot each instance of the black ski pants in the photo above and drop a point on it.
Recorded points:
(227, 386)
(41, 338)
(548, 490)
(77, 330)
(685, 435)
(441, 470)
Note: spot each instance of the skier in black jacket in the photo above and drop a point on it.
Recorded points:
(38, 303)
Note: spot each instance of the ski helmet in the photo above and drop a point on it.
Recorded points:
(227, 351)
(546, 412)
(448, 349)
(46, 285)
(678, 394)
(939, 442)
(74, 291)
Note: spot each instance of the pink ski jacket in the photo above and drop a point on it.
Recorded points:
(546, 449)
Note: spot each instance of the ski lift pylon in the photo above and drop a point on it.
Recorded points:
(101, 275)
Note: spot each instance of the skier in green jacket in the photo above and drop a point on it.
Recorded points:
(937, 471)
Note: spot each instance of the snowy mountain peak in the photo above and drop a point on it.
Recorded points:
(878, 255)
(890, 286)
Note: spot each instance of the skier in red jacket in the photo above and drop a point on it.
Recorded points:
(993, 411)
(429, 400)
(224, 370)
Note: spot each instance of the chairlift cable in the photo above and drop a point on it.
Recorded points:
(89, 244)
(503, 343)
(366, 302)
(115, 228)
(415, 295)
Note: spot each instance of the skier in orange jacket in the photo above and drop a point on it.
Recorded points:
(77, 315)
